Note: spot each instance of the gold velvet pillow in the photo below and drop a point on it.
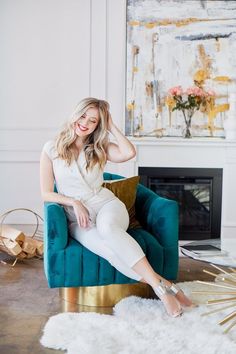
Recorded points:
(125, 189)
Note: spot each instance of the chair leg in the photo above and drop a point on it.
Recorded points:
(104, 295)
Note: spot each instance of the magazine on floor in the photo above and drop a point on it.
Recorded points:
(208, 251)
(202, 250)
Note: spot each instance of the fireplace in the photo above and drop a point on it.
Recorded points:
(198, 192)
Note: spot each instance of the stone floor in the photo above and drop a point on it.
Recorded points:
(26, 303)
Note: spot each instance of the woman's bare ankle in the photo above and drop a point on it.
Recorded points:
(166, 282)
(143, 281)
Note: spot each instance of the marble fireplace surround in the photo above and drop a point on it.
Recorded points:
(196, 153)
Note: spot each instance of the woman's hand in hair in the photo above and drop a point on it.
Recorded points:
(81, 213)
(122, 150)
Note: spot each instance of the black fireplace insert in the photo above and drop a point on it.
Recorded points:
(198, 192)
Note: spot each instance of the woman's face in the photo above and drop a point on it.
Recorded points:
(87, 123)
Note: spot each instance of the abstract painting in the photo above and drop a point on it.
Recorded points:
(172, 43)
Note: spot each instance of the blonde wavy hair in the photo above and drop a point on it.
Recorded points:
(95, 144)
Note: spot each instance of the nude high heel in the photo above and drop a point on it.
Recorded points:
(171, 304)
(179, 294)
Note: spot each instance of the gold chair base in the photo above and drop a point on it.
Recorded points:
(104, 295)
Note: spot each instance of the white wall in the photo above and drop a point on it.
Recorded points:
(53, 53)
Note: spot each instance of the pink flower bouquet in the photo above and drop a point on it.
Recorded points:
(189, 101)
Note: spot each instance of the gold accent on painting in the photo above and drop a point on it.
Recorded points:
(205, 60)
(130, 106)
(150, 25)
(170, 102)
(212, 114)
(222, 79)
(134, 23)
(200, 76)
(177, 23)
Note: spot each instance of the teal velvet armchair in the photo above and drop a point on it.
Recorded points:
(68, 264)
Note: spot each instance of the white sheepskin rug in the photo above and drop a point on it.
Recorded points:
(140, 326)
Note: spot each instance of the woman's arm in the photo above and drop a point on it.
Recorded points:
(48, 195)
(123, 150)
(47, 183)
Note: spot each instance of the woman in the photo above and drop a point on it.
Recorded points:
(75, 160)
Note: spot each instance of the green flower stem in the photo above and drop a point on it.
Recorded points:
(183, 110)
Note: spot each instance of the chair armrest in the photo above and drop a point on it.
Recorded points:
(159, 216)
(55, 227)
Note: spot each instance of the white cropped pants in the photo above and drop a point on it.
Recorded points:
(107, 236)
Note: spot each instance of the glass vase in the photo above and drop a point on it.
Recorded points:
(188, 114)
